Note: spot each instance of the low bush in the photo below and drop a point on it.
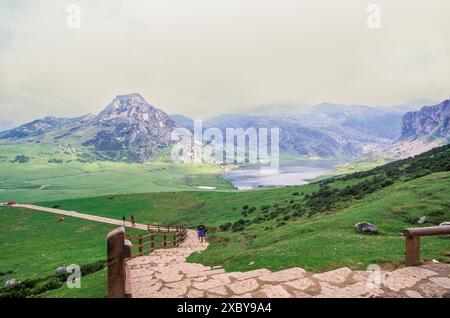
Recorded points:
(238, 225)
(225, 226)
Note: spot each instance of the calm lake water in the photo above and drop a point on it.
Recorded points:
(296, 173)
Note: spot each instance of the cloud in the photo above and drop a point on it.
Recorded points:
(202, 57)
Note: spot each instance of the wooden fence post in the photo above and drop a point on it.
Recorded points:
(140, 244)
(412, 250)
(116, 263)
(165, 240)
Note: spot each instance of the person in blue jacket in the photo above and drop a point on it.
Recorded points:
(201, 233)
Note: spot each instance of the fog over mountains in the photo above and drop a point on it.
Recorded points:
(130, 129)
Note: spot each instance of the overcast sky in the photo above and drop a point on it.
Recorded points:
(203, 57)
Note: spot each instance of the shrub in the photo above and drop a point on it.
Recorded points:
(6, 273)
(52, 283)
(21, 159)
(225, 227)
(298, 213)
(238, 225)
(53, 160)
(92, 267)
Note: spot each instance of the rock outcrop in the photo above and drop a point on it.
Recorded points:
(431, 122)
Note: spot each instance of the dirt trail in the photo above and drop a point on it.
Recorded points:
(83, 216)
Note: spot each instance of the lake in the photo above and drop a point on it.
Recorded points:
(293, 173)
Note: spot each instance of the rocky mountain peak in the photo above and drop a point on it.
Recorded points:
(131, 129)
(131, 107)
(429, 121)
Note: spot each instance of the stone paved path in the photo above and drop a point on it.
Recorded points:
(165, 273)
(82, 216)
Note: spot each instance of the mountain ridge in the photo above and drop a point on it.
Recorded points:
(128, 129)
(132, 130)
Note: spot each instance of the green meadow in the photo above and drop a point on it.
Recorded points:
(35, 243)
(51, 173)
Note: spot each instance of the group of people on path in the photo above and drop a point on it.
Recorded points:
(132, 219)
(201, 229)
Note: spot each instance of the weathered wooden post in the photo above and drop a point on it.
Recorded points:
(412, 236)
(116, 263)
(412, 255)
(128, 253)
(165, 240)
(140, 241)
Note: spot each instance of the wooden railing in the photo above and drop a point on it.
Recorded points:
(120, 249)
(412, 236)
(165, 228)
(158, 237)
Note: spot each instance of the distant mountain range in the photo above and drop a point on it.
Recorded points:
(130, 129)
(324, 131)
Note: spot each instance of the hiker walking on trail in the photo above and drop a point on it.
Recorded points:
(123, 219)
(133, 220)
(201, 232)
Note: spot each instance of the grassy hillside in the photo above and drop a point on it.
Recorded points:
(309, 226)
(326, 241)
(184, 207)
(34, 244)
(92, 286)
(37, 172)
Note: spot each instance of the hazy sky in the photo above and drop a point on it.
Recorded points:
(203, 57)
